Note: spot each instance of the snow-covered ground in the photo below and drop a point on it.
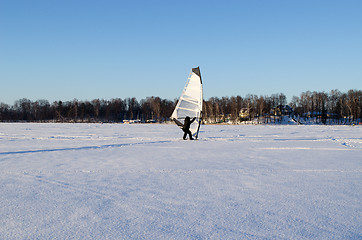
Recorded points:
(114, 181)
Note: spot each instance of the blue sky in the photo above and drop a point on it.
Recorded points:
(61, 50)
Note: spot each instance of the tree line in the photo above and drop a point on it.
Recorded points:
(334, 106)
(321, 107)
(114, 110)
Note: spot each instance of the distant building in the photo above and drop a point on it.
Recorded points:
(244, 113)
(282, 110)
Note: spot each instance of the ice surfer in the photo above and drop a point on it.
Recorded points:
(186, 127)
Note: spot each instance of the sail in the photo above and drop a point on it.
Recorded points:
(190, 102)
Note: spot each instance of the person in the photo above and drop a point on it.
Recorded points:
(186, 127)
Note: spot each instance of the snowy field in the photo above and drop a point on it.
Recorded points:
(114, 181)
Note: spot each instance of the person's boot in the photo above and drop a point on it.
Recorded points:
(191, 138)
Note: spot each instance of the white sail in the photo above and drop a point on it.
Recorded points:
(190, 102)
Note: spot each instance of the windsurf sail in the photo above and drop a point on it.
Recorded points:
(190, 102)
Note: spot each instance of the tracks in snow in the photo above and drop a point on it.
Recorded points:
(83, 148)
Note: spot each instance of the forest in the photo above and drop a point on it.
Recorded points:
(333, 107)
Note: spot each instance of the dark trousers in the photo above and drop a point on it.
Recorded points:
(187, 132)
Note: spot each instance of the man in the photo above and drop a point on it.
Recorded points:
(186, 127)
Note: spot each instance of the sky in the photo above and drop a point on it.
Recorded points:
(66, 49)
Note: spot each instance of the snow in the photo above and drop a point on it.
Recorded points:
(141, 181)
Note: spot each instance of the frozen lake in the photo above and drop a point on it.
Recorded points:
(116, 181)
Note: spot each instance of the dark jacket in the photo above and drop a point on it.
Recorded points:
(187, 123)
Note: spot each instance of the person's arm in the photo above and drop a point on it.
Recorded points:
(193, 119)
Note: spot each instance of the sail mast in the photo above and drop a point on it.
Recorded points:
(197, 72)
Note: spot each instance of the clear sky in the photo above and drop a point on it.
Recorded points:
(66, 49)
